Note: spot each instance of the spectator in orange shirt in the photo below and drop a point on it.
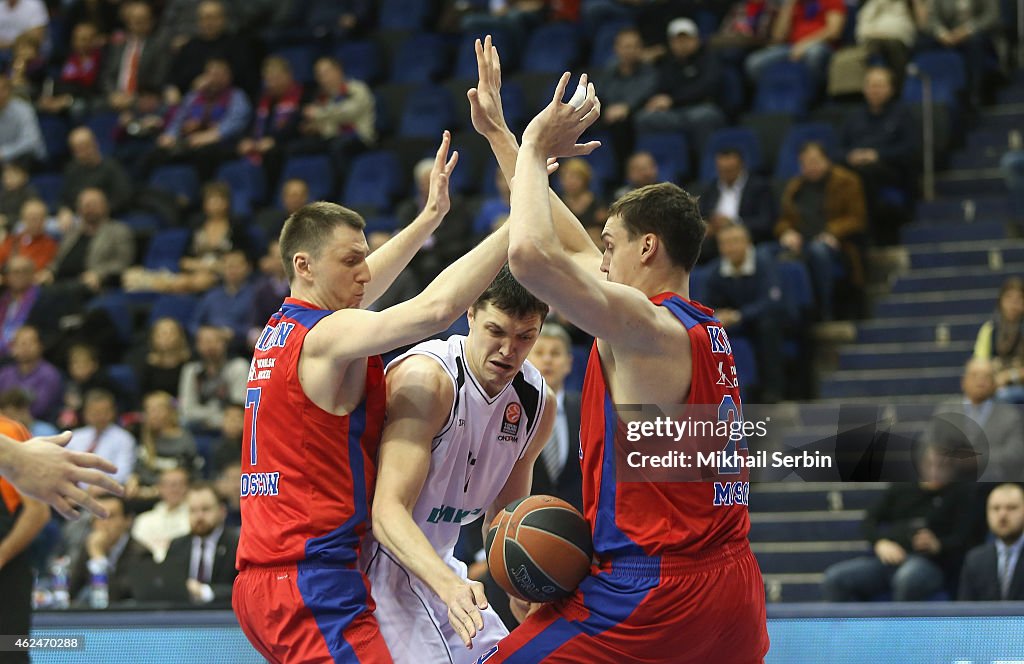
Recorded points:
(31, 242)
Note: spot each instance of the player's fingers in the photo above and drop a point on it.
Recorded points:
(99, 479)
(495, 67)
(586, 148)
(590, 104)
(442, 150)
(552, 167)
(481, 62)
(64, 508)
(61, 438)
(86, 460)
(460, 628)
(486, 48)
(451, 162)
(560, 88)
(479, 595)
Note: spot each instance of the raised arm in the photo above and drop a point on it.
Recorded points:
(489, 121)
(389, 260)
(353, 333)
(420, 398)
(613, 312)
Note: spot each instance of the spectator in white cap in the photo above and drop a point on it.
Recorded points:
(687, 87)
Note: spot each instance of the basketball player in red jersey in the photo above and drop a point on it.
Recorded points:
(314, 414)
(675, 580)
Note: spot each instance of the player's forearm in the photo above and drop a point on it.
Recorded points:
(462, 282)
(8, 455)
(570, 232)
(532, 238)
(389, 260)
(394, 527)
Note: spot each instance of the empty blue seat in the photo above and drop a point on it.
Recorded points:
(465, 55)
(553, 47)
(361, 60)
(141, 223)
(104, 126)
(742, 139)
(427, 112)
(315, 170)
(117, 308)
(421, 57)
(699, 282)
(166, 249)
(247, 182)
(55, 136)
(797, 293)
(784, 87)
(179, 180)
(602, 161)
(787, 164)
(947, 73)
(670, 150)
(403, 14)
(373, 181)
(49, 186)
(178, 307)
(301, 59)
(124, 379)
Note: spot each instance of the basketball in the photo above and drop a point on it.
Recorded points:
(539, 548)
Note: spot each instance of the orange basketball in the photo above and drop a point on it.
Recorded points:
(539, 548)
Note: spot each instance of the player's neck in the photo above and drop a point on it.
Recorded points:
(656, 282)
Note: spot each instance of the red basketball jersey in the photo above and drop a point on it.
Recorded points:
(663, 518)
(307, 475)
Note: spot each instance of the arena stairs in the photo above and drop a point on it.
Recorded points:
(941, 285)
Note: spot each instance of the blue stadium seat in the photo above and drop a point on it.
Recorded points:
(552, 48)
(513, 102)
(948, 75)
(670, 150)
(55, 135)
(428, 111)
(746, 364)
(603, 163)
(788, 163)
(381, 225)
(580, 355)
(797, 293)
(166, 249)
(116, 306)
(421, 57)
(178, 307)
(373, 181)
(403, 14)
(104, 125)
(315, 170)
(361, 60)
(180, 180)
(699, 282)
(465, 56)
(602, 51)
(49, 185)
(301, 58)
(784, 87)
(739, 138)
(141, 223)
(124, 379)
(247, 182)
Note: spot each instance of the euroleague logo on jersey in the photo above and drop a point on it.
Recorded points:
(510, 423)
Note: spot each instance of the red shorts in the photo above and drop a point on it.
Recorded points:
(309, 613)
(708, 608)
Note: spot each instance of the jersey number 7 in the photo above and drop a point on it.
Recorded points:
(252, 399)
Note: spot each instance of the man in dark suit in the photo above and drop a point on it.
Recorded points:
(110, 542)
(995, 570)
(558, 470)
(203, 562)
(736, 196)
(139, 62)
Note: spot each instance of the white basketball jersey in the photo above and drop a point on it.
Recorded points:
(473, 455)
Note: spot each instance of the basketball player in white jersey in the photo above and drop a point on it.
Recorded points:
(466, 419)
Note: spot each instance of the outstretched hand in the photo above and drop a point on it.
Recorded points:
(485, 99)
(42, 469)
(438, 197)
(556, 129)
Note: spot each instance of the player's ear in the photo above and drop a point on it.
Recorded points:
(300, 263)
(649, 245)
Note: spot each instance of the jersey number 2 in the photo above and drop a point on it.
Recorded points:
(252, 399)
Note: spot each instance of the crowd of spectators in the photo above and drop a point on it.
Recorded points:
(129, 301)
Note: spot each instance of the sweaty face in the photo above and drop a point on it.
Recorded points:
(498, 344)
(339, 271)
